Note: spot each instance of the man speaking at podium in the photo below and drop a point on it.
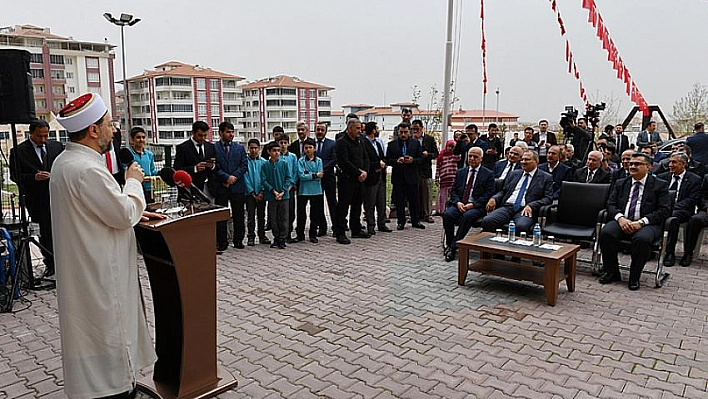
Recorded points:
(104, 333)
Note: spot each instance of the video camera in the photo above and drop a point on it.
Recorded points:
(592, 113)
(569, 115)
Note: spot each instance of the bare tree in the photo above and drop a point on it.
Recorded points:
(689, 110)
(613, 106)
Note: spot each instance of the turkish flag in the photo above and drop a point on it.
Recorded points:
(600, 27)
(481, 9)
(588, 4)
(570, 63)
(560, 23)
(575, 71)
(567, 50)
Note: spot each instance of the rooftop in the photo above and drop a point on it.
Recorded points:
(32, 31)
(176, 68)
(284, 81)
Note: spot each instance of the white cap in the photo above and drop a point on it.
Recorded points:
(81, 112)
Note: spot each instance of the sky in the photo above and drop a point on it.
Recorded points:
(376, 51)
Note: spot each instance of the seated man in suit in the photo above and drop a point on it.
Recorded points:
(592, 172)
(196, 156)
(688, 192)
(521, 198)
(696, 223)
(560, 171)
(473, 187)
(638, 206)
(622, 172)
(504, 166)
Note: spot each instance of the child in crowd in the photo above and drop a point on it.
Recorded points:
(276, 179)
(255, 202)
(291, 160)
(445, 170)
(310, 172)
(145, 158)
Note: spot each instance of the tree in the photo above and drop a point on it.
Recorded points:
(613, 105)
(689, 110)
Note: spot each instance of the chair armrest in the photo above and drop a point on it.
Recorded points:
(602, 216)
(671, 223)
(545, 210)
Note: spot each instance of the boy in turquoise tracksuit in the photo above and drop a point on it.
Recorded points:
(255, 202)
(310, 172)
(276, 181)
(291, 160)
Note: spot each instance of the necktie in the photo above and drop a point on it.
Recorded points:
(43, 153)
(468, 187)
(674, 185)
(405, 149)
(200, 150)
(319, 147)
(109, 161)
(380, 149)
(634, 200)
(522, 192)
(507, 170)
(302, 148)
(590, 175)
(227, 148)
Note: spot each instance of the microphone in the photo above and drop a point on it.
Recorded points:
(182, 179)
(125, 156)
(167, 175)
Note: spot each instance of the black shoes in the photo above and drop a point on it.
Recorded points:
(449, 254)
(238, 245)
(419, 226)
(342, 239)
(633, 285)
(669, 259)
(281, 244)
(264, 240)
(361, 234)
(299, 239)
(314, 240)
(686, 259)
(274, 244)
(607, 278)
(371, 231)
(251, 242)
(221, 248)
(385, 229)
(321, 233)
(399, 226)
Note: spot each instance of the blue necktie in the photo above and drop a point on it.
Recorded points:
(405, 149)
(522, 192)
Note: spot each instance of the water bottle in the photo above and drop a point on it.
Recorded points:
(512, 231)
(537, 235)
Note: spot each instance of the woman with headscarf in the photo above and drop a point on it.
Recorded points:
(445, 169)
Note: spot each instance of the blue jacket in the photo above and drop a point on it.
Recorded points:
(309, 183)
(538, 193)
(291, 160)
(233, 165)
(146, 160)
(252, 177)
(327, 155)
(275, 176)
(699, 146)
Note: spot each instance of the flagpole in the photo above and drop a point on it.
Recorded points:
(448, 74)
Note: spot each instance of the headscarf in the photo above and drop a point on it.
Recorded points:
(445, 151)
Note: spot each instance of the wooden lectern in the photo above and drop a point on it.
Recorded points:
(180, 256)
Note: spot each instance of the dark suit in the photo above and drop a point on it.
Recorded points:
(621, 143)
(187, 157)
(601, 176)
(619, 174)
(426, 175)
(687, 198)
(404, 178)
(560, 174)
(550, 139)
(375, 186)
(36, 192)
(699, 146)
(539, 192)
(644, 137)
(233, 164)
(697, 222)
(119, 174)
(501, 165)
(329, 180)
(489, 160)
(294, 147)
(352, 158)
(482, 190)
(655, 207)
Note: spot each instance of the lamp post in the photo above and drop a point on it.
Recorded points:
(123, 21)
(497, 118)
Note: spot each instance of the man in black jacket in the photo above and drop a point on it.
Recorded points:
(638, 206)
(196, 156)
(35, 157)
(353, 163)
(430, 152)
(404, 156)
(560, 171)
(592, 172)
(375, 183)
(696, 223)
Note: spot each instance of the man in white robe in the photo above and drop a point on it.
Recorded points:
(104, 333)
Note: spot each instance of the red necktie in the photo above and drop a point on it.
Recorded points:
(109, 162)
(468, 187)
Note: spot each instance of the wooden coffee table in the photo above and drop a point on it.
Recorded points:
(549, 276)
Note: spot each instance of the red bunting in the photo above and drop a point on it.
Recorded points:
(587, 4)
(484, 48)
(572, 67)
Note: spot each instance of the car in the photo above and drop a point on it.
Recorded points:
(666, 146)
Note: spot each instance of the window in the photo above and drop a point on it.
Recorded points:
(42, 104)
(272, 103)
(182, 81)
(36, 58)
(289, 103)
(215, 110)
(202, 109)
(69, 61)
(164, 108)
(182, 121)
(58, 74)
(91, 62)
(324, 113)
(58, 104)
(181, 107)
(37, 73)
(323, 93)
(229, 84)
(71, 89)
(313, 93)
(214, 96)
(38, 88)
(214, 84)
(215, 121)
(274, 114)
(201, 96)
(58, 90)
(181, 95)
(63, 136)
(179, 134)
(160, 81)
(201, 84)
(324, 103)
(165, 135)
(255, 103)
(93, 77)
(164, 121)
(70, 75)
(55, 59)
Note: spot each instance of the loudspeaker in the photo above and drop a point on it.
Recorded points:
(16, 93)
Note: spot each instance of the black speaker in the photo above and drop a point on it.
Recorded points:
(16, 94)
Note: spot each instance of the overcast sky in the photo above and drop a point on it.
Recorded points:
(375, 51)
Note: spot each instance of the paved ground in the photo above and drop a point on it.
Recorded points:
(384, 318)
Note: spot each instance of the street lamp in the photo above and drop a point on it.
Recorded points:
(124, 20)
(497, 118)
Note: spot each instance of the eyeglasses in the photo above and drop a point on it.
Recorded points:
(637, 163)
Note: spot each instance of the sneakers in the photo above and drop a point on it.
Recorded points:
(251, 242)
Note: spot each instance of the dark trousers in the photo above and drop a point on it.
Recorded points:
(278, 218)
(44, 221)
(682, 217)
(255, 210)
(316, 213)
(695, 224)
(237, 202)
(329, 186)
(641, 247)
(501, 216)
(465, 220)
(406, 192)
(375, 205)
(348, 202)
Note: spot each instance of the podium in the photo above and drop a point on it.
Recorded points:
(180, 256)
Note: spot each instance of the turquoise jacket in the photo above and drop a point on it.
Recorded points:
(254, 183)
(309, 183)
(146, 160)
(291, 160)
(275, 176)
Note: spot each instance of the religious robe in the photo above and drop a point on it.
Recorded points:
(104, 334)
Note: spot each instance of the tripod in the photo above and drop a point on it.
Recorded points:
(23, 258)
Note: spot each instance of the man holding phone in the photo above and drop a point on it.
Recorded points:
(197, 156)
(405, 156)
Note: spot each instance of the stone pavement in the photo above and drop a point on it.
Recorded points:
(384, 318)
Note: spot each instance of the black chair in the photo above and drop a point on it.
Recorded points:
(658, 246)
(577, 216)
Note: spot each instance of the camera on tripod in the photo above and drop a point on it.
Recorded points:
(568, 117)
(592, 113)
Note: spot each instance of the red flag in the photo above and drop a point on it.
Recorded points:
(575, 72)
(587, 4)
(560, 24)
(606, 40)
(620, 68)
(600, 27)
(567, 50)
(570, 63)
(553, 4)
(593, 14)
(481, 9)
(634, 94)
